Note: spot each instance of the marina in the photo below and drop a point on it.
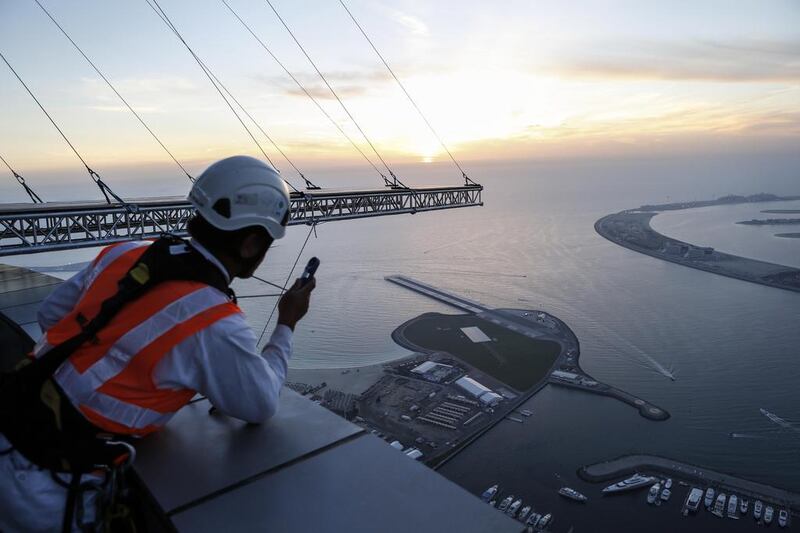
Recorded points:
(647, 463)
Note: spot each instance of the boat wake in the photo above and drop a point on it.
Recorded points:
(780, 421)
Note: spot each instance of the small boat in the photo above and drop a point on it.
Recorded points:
(757, 508)
(668, 483)
(489, 493)
(493, 503)
(533, 518)
(768, 513)
(733, 506)
(544, 521)
(783, 518)
(743, 506)
(523, 514)
(693, 499)
(636, 481)
(665, 494)
(709, 497)
(653, 494)
(505, 503)
(719, 505)
(572, 494)
(512, 510)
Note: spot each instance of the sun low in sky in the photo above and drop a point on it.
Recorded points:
(497, 80)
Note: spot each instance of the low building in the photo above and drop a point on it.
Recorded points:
(435, 372)
(565, 376)
(479, 391)
(414, 453)
(397, 445)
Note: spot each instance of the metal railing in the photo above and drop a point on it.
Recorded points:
(26, 229)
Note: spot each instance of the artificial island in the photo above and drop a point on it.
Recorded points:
(467, 373)
(631, 229)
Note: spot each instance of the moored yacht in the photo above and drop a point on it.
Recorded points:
(733, 506)
(653, 494)
(505, 503)
(743, 506)
(768, 513)
(783, 518)
(693, 499)
(572, 494)
(512, 511)
(757, 508)
(489, 493)
(523, 514)
(636, 481)
(719, 505)
(709, 497)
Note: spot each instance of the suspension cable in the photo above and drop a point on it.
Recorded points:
(312, 229)
(34, 197)
(396, 182)
(467, 180)
(307, 93)
(105, 189)
(138, 117)
(219, 87)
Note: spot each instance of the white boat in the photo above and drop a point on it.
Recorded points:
(653, 494)
(743, 506)
(709, 497)
(768, 513)
(533, 518)
(665, 494)
(757, 508)
(544, 521)
(505, 503)
(489, 493)
(636, 481)
(693, 499)
(572, 494)
(668, 483)
(783, 518)
(733, 506)
(523, 514)
(719, 505)
(512, 511)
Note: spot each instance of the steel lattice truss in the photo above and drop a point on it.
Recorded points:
(47, 227)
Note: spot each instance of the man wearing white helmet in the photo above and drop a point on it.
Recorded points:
(177, 332)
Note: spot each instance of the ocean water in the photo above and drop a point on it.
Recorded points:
(732, 345)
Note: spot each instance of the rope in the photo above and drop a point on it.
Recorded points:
(307, 93)
(105, 189)
(78, 48)
(396, 182)
(289, 277)
(156, 7)
(467, 181)
(34, 197)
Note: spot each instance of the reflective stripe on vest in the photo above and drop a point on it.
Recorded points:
(111, 380)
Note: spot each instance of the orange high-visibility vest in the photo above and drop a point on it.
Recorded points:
(110, 380)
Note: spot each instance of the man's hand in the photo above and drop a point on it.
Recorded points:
(293, 305)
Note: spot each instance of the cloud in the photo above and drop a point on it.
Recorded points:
(747, 61)
(346, 83)
(415, 25)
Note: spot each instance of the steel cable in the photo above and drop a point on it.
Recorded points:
(467, 180)
(105, 189)
(35, 198)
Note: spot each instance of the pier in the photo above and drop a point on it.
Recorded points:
(628, 464)
(459, 302)
(588, 384)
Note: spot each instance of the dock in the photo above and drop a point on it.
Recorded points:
(628, 464)
(459, 302)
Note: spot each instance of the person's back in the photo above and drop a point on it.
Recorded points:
(178, 339)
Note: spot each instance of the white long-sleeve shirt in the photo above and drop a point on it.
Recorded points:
(221, 362)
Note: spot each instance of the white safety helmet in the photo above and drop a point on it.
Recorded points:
(242, 191)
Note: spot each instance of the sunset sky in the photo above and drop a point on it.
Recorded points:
(499, 80)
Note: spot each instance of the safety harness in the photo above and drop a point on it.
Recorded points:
(36, 416)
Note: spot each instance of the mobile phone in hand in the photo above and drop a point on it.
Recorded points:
(310, 270)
